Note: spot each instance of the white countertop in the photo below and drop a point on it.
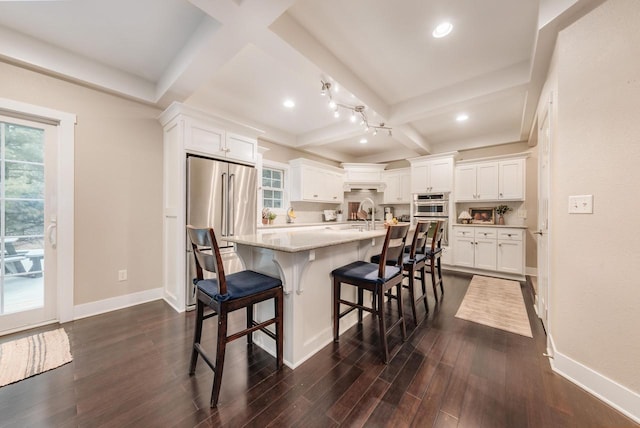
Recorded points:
(301, 240)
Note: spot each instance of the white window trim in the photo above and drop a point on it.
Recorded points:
(65, 123)
(285, 187)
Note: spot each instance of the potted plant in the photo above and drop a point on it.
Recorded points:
(339, 214)
(272, 216)
(501, 210)
(266, 213)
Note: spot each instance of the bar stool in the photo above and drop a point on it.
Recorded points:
(225, 294)
(378, 279)
(412, 262)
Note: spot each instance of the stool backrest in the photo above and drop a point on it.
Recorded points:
(393, 247)
(420, 238)
(207, 255)
(436, 240)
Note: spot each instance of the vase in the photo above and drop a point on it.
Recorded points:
(501, 219)
(265, 221)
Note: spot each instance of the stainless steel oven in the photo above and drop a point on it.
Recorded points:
(431, 205)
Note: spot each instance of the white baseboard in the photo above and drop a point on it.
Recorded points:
(531, 271)
(115, 303)
(617, 396)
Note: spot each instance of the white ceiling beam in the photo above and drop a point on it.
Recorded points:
(27, 51)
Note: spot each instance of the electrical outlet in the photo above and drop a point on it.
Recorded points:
(122, 275)
(581, 204)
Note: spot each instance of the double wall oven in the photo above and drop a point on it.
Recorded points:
(432, 206)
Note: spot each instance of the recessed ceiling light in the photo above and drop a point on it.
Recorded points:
(442, 29)
(289, 103)
(363, 141)
(462, 117)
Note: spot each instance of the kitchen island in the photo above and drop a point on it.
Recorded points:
(303, 260)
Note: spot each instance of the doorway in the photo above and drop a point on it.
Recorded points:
(28, 194)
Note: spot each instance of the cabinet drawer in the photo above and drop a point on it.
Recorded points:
(510, 235)
(486, 233)
(463, 232)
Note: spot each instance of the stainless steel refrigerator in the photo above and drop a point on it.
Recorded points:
(221, 195)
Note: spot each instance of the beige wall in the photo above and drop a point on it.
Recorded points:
(280, 153)
(118, 183)
(595, 297)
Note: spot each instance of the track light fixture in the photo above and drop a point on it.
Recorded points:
(356, 111)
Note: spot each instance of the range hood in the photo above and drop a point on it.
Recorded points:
(364, 176)
(378, 186)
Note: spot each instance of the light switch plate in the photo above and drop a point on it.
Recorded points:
(581, 204)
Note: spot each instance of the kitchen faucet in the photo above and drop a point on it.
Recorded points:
(373, 213)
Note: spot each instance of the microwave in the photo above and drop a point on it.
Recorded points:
(431, 205)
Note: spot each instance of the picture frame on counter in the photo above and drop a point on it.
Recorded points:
(484, 215)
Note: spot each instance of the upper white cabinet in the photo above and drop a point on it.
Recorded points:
(316, 182)
(209, 140)
(398, 186)
(490, 180)
(432, 175)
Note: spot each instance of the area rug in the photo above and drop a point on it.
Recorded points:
(497, 303)
(29, 356)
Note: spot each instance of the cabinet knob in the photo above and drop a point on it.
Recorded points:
(315, 196)
(499, 245)
(500, 194)
(509, 235)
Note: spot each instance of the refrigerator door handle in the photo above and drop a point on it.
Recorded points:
(231, 204)
(224, 204)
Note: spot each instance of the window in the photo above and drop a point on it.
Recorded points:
(272, 188)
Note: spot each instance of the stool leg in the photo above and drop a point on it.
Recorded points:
(440, 274)
(250, 323)
(336, 309)
(196, 336)
(222, 346)
(381, 323)
(403, 325)
(412, 296)
(360, 302)
(423, 283)
(279, 329)
(432, 271)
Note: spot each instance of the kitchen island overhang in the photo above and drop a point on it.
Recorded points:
(303, 260)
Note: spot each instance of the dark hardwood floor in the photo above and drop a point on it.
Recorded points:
(130, 369)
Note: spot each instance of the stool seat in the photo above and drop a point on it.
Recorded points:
(240, 284)
(405, 259)
(366, 272)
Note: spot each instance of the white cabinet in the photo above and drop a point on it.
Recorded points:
(490, 181)
(475, 247)
(207, 139)
(398, 186)
(315, 182)
(476, 182)
(489, 248)
(511, 184)
(511, 251)
(431, 176)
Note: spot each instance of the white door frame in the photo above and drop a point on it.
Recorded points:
(544, 223)
(65, 233)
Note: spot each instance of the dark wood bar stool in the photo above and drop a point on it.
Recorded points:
(378, 279)
(414, 261)
(225, 294)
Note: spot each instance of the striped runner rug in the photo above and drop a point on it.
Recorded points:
(29, 356)
(497, 303)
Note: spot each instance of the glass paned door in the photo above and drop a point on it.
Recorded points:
(27, 295)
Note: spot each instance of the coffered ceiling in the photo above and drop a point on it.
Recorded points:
(242, 58)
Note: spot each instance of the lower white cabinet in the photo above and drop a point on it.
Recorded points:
(489, 248)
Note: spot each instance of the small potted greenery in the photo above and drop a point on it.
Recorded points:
(272, 216)
(266, 215)
(501, 210)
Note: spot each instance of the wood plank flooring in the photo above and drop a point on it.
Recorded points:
(130, 369)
